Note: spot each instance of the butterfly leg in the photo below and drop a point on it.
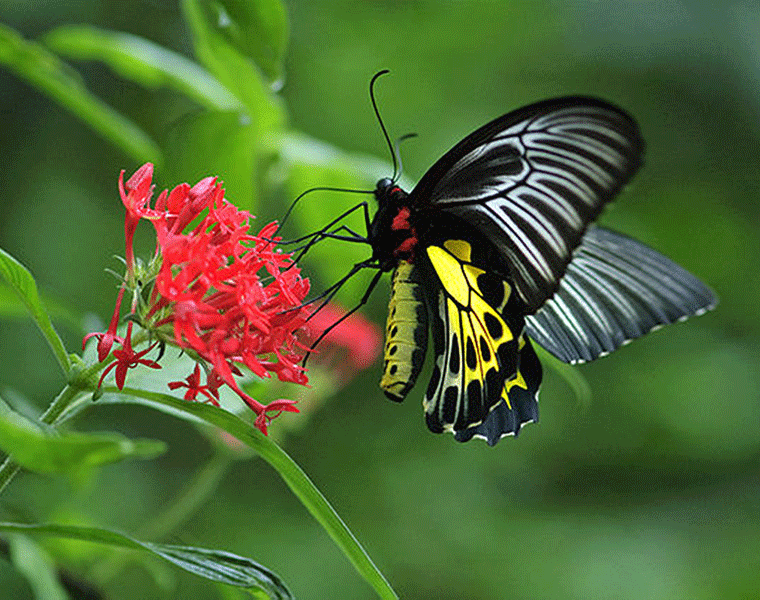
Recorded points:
(325, 232)
(334, 290)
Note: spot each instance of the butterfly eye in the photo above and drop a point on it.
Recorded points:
(383, 185)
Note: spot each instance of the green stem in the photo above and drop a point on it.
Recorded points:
(286, 467)
(67, 404)
(203, 484)
(58, 407)
(63, 401)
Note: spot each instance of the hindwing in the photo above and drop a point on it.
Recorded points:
(615, 290)
(477, 324)
(519, 401)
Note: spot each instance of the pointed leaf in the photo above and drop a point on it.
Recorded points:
(143, 62)
(290, 472)
(50, 75)
(42, 449)
(215, 565)
(22, 282)
(213, 27)
(255, 29)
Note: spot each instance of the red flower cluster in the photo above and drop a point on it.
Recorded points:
(225, 296)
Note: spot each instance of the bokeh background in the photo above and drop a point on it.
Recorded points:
(649, 490)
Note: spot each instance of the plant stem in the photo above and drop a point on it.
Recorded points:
(200, 488)
(62, 408)
(64, 399)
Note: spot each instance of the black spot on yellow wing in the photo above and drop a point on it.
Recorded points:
(518, 404)
(474, 333)
(454, 354)
(406, 333)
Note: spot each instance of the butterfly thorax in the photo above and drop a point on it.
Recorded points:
(393, 233)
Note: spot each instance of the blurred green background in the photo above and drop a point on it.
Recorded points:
(650, 491)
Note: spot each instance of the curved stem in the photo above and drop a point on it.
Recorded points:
(195, 494)
(295, 478)
(58, 407)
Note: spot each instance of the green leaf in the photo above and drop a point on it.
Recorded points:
(255, 29)
(215, 30)
(37, 567)
(143, 62)
(50, 75)
(22, 282)
(12, 307)
(224, 143)
(290, 472)
(215, 565)
(42, 449)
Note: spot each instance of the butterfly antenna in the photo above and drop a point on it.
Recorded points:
(380, 120)
(397, 153)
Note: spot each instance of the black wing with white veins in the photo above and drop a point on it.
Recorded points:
(615, 289)
(533, 180)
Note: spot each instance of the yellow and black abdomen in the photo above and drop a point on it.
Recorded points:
(406, 333)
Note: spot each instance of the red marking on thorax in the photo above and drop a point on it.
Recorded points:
(401, 220)
(405, 249)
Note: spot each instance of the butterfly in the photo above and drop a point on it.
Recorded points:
(495, 249)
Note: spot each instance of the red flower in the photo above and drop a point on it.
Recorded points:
(135, 196)
(127, 358)
(106, 340)
(226, 296)
(193, 384)
(353, 344)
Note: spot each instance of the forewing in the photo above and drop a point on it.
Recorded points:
(475, 335)
(534, 179)
(615, 289)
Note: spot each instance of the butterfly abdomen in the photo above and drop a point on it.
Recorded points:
(406, 333)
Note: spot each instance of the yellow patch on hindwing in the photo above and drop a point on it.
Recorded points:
(517, 381)
(476, 334)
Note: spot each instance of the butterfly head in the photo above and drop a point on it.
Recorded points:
(387, 191)
(392, 233)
